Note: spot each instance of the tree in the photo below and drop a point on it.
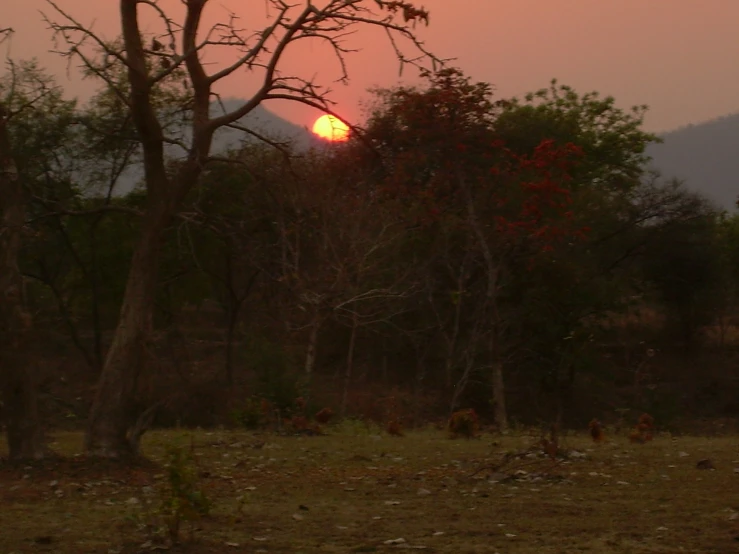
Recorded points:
(33, 117)
(558, 299)
(682, 261)
(20, 410)
(178, 53)
(443, 156)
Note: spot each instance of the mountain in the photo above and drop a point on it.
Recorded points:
(705, 156)
(260, 120)
(264, 122)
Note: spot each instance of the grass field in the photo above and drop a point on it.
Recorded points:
(354, 490)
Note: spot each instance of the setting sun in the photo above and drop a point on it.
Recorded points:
(331, 128)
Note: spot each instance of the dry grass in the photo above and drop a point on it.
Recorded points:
(352, 490)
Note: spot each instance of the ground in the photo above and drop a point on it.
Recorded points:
(357, 490)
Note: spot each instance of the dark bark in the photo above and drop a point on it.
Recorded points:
(112, 431)
(349, 365)
(112, 415)
(17, 383)
(492, 271)
(233, 311)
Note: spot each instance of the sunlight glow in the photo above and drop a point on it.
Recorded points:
(331, 128)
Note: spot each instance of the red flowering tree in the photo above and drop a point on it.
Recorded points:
(452, 174)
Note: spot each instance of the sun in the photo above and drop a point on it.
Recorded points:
(331, 129)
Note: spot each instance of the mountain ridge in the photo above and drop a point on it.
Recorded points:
(705, 156)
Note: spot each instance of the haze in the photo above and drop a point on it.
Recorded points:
(680, 58)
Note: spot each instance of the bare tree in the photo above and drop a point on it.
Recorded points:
(17, 386)
(179, 52)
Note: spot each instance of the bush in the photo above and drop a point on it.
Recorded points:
(277, 381)
(183, 499)
(253, 414)
(463, 423)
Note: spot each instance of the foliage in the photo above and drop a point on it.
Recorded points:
(463, 423)
(183, 500)
(356, 427)
(276, 381)
(683, 264)
(475, 234)
(324, 415)
(254, 413)
(644, 430)
(393, 418)
(612, 139)
(596, 431)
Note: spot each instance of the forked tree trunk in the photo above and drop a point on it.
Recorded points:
(112, 431)
(17, 383)
(112, 417)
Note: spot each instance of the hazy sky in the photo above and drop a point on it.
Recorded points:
(681, 57)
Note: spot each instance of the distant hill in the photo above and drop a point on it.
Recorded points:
(260, 120)
(264, 122)
(705, 156)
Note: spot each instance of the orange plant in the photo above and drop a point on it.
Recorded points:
(298, 423)
(463, 423)
(324, 415)
(596, 431)
(394, 428)
(642, 431)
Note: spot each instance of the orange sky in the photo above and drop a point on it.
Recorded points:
(681, 57)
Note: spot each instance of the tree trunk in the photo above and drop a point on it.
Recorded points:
(310, 352)
(230, 336)
(349, 366)
(235, 303)
(499, 406)
(17, 383)
(500, 411)
(112, 415)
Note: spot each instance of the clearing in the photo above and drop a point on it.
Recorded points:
(355, 490)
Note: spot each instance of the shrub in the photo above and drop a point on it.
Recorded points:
(642, 432)
(357, 427)
(183, 499)
(394, 425)
(253, 414)
(596, 431)
(463, 423)
(324, 415)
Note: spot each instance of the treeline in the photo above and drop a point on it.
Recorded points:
(513, 256)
